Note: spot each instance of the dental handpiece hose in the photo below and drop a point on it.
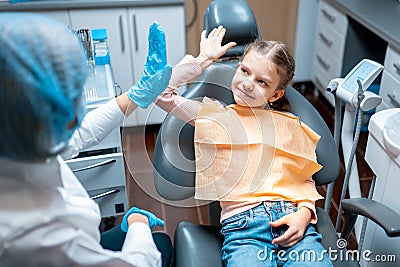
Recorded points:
(360, 97)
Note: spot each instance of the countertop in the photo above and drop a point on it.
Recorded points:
(75, 4)
(382, 17)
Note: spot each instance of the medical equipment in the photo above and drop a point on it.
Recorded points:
(85, 36)
(352, 90)
(365, 72)
(382, 156)
(101, 49)
(391, 134)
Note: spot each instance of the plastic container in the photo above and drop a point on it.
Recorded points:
(101, 50)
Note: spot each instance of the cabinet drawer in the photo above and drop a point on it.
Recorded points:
(328, 62)
(390, 90)
(392, 62)
(333, 17)
(112, 140)
(112, 201)
(327, 37)
(99, 172)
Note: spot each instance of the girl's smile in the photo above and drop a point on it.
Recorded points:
(244, 94)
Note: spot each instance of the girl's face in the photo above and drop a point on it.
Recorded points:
(255, 81)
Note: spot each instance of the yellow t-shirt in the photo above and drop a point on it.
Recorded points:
(250, 154)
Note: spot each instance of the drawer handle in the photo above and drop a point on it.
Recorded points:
(397, 66)
(114, 191)
(392, 97)
(325, 39)
(121, 33)
(109, 161)
(117, 89)
(135, 33)
(325, 65)
(329, 16)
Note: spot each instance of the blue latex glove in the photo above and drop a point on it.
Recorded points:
(153, 219)
(156, 73)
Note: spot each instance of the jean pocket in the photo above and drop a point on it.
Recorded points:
(234, 224)
(311, 231)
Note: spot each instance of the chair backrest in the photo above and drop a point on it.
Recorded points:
(174, 160)
(239, 20)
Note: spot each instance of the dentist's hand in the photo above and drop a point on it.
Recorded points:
(153, 220)
(211, 47)
(156, 73)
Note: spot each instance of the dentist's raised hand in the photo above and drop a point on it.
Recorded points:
(211, 47)
(156, 73)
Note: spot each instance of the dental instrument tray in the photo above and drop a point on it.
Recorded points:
(366, 71)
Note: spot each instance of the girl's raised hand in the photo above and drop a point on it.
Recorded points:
(211, 47)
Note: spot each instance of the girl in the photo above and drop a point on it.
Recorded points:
(255, 160)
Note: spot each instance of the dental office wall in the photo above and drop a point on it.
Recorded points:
(276, 20)
(290, 21)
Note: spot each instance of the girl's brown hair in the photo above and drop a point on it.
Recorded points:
(280, 55)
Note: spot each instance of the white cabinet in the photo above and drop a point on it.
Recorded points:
(329, 47)
(103, 177)
(390, 84)
(116, 22)
(172, 19)
(100, 168)
(127, 29)
(60, 15)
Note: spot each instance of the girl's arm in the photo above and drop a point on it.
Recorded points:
(187, 69)
(182, 108)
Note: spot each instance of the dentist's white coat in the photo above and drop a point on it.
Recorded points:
(47, 217)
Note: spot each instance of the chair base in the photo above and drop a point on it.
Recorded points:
(198, 245)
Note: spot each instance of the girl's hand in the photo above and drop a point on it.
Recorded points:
(297, 223)
(210, 47)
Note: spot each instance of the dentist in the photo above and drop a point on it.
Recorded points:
(46, 216)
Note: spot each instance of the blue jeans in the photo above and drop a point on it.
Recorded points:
(248, 240)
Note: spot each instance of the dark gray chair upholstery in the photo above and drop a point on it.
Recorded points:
(174, 166)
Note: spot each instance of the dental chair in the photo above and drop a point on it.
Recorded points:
(174, 160)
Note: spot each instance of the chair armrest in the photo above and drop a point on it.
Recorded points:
(382, 215)
(325, 227)
(197, 245)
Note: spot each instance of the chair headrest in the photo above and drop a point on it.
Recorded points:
(238, 19)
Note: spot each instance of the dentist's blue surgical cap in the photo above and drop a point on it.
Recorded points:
(42, 73)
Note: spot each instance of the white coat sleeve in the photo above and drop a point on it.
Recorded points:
(95, 126)
(62, 244)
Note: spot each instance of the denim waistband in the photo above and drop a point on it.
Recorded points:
(266, 207)
(283, 206)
